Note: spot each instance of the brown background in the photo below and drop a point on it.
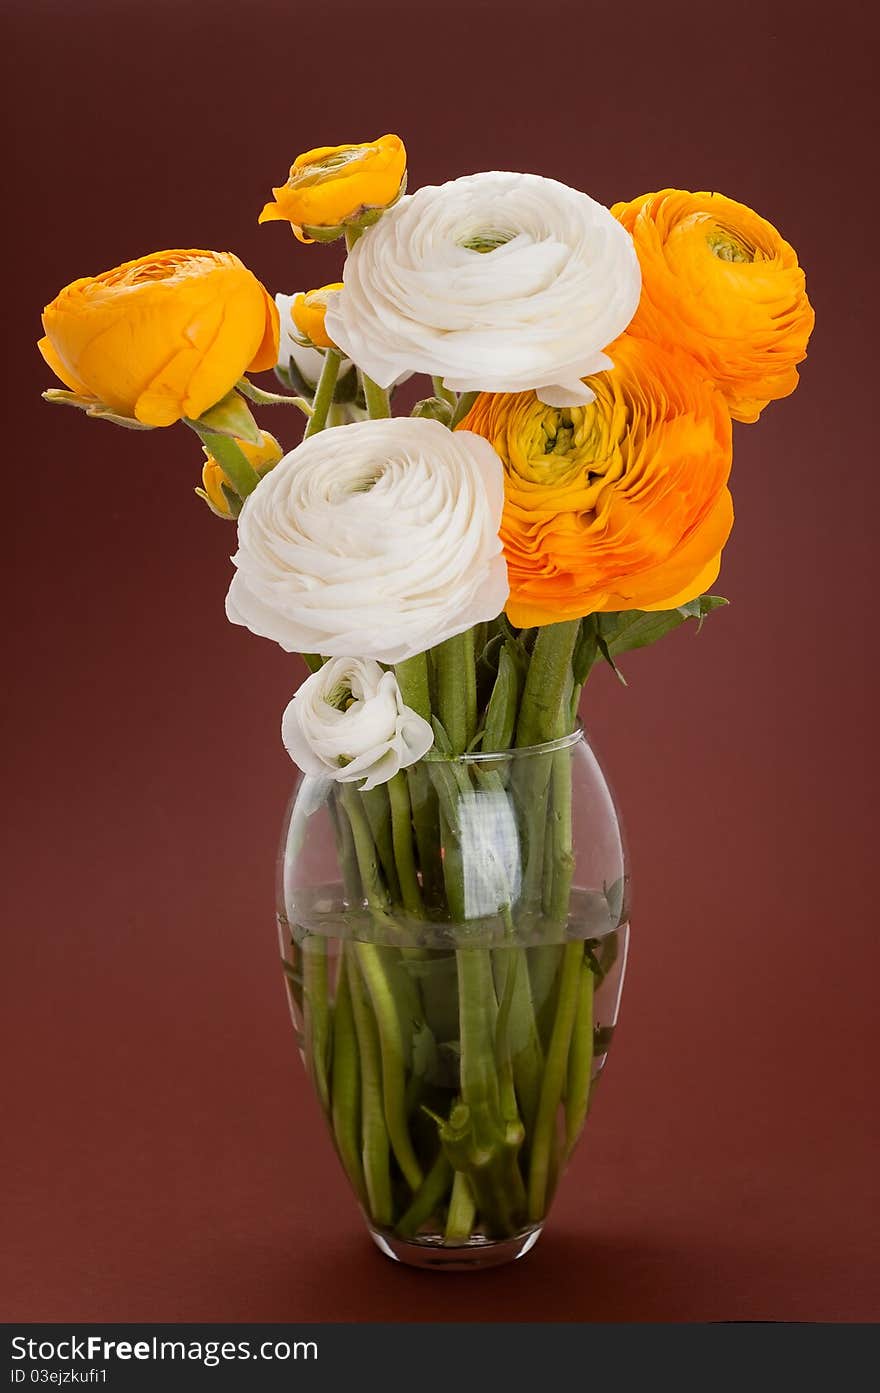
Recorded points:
(163, 1157)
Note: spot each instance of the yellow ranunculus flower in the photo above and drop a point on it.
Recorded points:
(336, 186)
(308, 310)
(263, 457)
(162, 337)
(720, 282)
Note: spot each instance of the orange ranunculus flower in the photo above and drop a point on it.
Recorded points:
(308, 310)
(339, 186)
(162, 337)
(622, 504)
(720, 282)
(263, 457)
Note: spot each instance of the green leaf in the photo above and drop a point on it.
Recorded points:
(605, 651)
(635, 628)
(586, 651)
(504, 701)
(614, 898)
(442, 742)
(487, 662)
(424, 1058)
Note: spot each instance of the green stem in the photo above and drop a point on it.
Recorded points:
(444, 393)
(544, 963)
(462, 1211)
(412, 679)
(393, 1072)
(560, 839)
(387, 1017)
(426, 1201)
(507, 967)
(316, 1014)
(365, 852)
(324, 393)
(377, 808)
(346, 1085)
(477, 1009)
(345, 854)
(457, 689)
(375, 1152)
(546, 683)
(426, 821)
(580, 1060)
(378, 403)
(402, 837)
(553, 1081)
(465, 402)
(242, 476)
(528, 1057)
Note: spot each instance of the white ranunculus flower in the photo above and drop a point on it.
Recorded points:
(495, 282)
(348, 721)
(378, 539)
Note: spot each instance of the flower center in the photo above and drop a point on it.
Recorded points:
(151, 271)
(327, 166)
(339, 697)
(728, 245)
(558, 435)
(486, 239)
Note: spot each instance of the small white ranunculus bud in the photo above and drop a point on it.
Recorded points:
(348, 722)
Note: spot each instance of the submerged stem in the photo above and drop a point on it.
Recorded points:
(346, 1084)
(553, 1081)
(374, 1137)
(462, 1211)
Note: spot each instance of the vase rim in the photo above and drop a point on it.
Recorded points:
(563, 742)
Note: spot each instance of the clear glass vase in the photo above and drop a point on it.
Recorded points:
(453, 944)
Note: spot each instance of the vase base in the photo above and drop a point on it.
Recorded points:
(433, 1253)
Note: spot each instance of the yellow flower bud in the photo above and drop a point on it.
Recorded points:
(217, 489)
(338, 186)
(160, 338)
(307, 312)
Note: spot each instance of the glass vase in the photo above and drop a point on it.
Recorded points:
(453, 944)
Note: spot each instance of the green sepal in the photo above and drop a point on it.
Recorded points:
(324, 234)
(261, 398)
(356, 222)
(290, 376)
(232, 499)
(96, 409)
(231, 416)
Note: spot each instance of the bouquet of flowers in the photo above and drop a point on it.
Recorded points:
(453, 891)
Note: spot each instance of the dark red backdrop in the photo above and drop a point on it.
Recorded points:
(163, 1157)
